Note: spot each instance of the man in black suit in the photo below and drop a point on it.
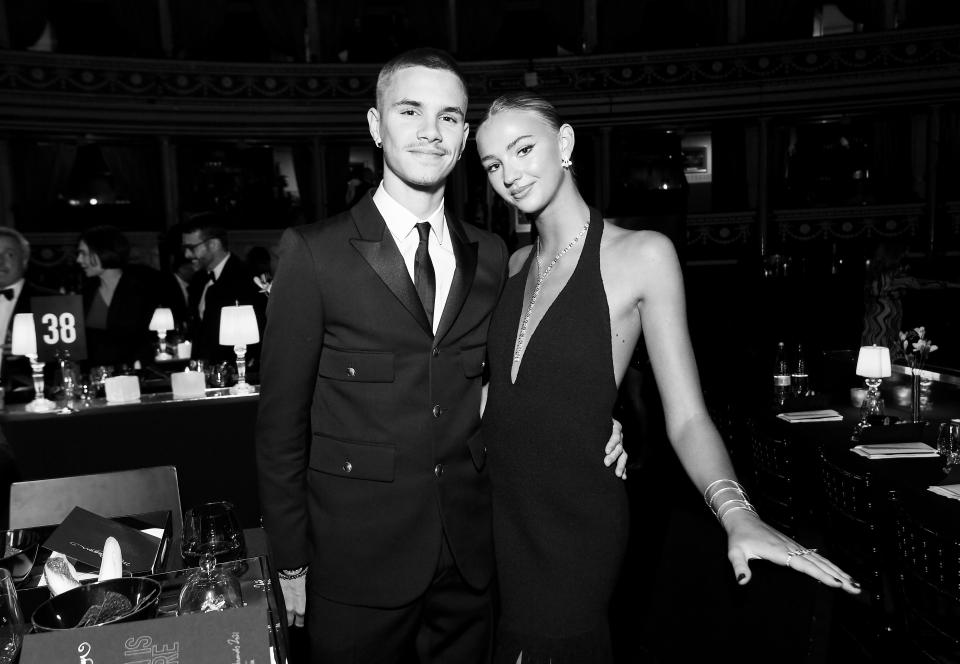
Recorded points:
(220, 280)
(372, 470)
(15, 293)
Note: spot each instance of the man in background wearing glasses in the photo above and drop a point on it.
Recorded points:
(220, 280)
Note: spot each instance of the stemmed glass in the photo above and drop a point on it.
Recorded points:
(212, 528)
(11, 619)
(948, 443)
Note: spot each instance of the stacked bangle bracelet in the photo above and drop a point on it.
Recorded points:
(733, 498)
(291, 574)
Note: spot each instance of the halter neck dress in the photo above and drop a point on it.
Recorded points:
(559, 515)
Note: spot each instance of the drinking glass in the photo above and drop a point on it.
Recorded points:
(948, 442)
(212, 528)
(11, 619)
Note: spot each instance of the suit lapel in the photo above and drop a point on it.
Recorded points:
(378, 249)
(466, 255)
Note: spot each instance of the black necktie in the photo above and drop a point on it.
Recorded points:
(7, 293)
(423, 276)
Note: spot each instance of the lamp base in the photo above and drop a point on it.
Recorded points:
(41, 406)
(243, 388)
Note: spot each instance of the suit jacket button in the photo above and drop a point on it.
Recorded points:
(483, 364)
(437, 410)
(347, 467)
(351, 372)
(436, 351)
(438, 470)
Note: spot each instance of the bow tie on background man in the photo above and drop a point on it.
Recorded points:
(7, 293)
(211, 277)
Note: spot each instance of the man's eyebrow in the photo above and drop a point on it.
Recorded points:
(417, 104)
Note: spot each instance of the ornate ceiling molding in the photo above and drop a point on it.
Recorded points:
(846, 223)
(56, 92)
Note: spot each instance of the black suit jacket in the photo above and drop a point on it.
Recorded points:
(127, 337)
(368, 435)
(235, 285)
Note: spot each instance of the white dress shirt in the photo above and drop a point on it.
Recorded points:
(402, 225)
(6, 309)
(217, 270)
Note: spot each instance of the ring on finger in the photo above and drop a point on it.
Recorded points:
(799, 553)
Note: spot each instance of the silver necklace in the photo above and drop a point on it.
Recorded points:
(541, 277)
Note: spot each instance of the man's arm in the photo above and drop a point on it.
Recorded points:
(292, 343)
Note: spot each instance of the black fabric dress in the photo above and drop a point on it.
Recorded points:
(559, 515)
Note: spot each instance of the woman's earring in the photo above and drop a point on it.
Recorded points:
(379, 144)
(566, 163)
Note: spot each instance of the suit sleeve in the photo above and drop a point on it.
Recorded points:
(292, 342)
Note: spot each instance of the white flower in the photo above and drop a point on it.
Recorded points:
(264, 283)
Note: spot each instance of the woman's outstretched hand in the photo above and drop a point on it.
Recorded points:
(749, 538)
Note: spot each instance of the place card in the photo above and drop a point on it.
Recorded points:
(122, 389)
(235, 636)
(188, 384)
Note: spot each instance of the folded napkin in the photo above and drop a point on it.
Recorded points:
(811, 416)
(948, 491)
(895, 451)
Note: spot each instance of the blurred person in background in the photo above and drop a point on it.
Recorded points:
(221, 279)
(118, 298)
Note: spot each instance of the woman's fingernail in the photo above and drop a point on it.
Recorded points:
(741, 576)
(854, 584)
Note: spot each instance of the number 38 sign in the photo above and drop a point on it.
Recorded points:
(60, 326)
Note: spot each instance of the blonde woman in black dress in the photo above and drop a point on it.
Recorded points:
(559, 344)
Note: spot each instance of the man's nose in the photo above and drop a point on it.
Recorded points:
(429, 130)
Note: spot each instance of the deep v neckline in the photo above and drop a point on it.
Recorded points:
(531, 334)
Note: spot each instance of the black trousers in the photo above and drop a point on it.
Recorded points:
(451, 623)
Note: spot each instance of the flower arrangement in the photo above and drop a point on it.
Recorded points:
(916, 347)
(265, 282)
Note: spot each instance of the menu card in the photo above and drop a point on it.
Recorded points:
(80, 537)
(895, 451)
(811, 416)
(235, 636)
(947, 491)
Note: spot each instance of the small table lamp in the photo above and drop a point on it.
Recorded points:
(238, 327)
(162, 321)
(873, 364)
(24, 342)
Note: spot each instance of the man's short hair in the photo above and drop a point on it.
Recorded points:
(17, 236)
(431, 58)
(109, 244)
(211, 225)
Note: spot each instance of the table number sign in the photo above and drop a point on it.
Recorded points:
(60, 326)
(237, 636)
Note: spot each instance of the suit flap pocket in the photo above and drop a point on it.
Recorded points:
(477, 450)
(362, 461)
(474, 360)
(360, 366)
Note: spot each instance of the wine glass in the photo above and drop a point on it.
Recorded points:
(212, 528)
(948, 442)
(11, 619)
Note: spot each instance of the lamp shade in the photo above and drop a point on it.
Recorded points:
(238, 325)
(24, 335)
(162, 320)
(873, 362)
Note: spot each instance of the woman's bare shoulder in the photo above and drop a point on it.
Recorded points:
(518, 258)
(632, 248)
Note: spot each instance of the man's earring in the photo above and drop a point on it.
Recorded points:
(566, 163)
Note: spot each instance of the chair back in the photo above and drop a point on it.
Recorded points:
(928, 566)
(46, 502)
(774, 490)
